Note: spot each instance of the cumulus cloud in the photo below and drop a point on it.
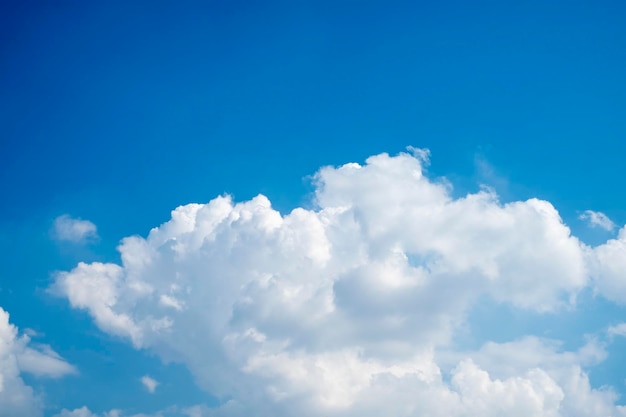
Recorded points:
(607, 263)
(597, 219)
(16, 356)
(67, 228)
(340, 310)
(150, 383)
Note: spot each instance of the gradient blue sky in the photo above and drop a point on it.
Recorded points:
(117, 113)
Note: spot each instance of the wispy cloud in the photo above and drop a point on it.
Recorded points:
(67, 228)
(150, 383)
(597, 219)
(617, 330)
(85, 412)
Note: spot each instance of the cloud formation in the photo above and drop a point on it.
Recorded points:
(597, 219)
(617, 330)
(67, 228)
(607, 264)
(17, 356)
(150, 383)
(85, 412)
(341, 310)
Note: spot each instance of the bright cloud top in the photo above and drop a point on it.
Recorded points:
(340, 310)
(16, 357)
(67, 228)
(597, 219)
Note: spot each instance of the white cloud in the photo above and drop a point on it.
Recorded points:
(95, 287)
(617, 330)
(195, 411)
(43, 361)
(564, 368)
(341, 310)
(74, 230)
(607, 264)
(16, 356)
(79, 412)
(597, 219)
(150, 383)
(85, 412)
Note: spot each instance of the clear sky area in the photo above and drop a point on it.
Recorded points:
(312, 208)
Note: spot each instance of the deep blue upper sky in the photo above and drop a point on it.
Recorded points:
(157, 103)
(117, 113)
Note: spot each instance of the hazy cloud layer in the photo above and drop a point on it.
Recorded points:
(340, 310)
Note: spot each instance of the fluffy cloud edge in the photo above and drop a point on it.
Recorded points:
(69, 229)
(381, 219)
(17, 399)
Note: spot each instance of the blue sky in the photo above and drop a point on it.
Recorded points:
(116, 114)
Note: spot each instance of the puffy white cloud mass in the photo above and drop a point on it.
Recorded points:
(341, 309)
(608, 266)
(597, 219)
(16, 356)
(67, 228)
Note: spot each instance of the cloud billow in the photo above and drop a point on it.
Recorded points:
(339, 310)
